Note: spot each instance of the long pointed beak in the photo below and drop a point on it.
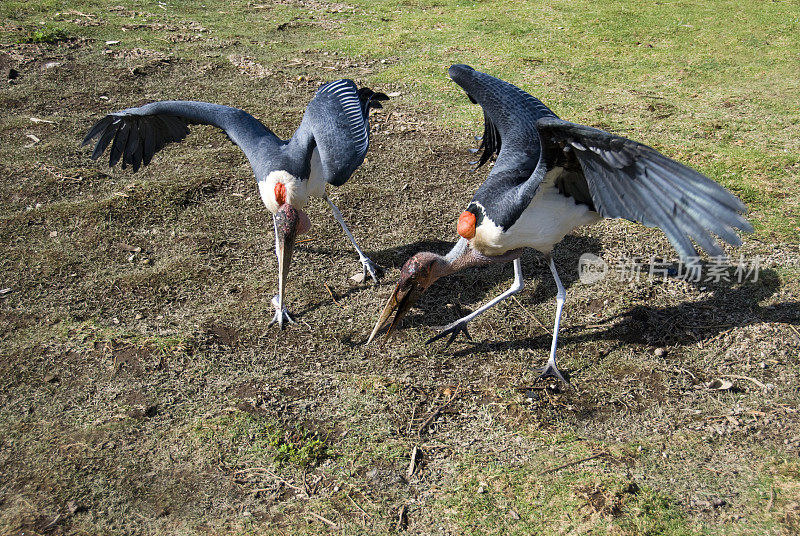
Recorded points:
(289, 222)
(400, 300)
(284, 246)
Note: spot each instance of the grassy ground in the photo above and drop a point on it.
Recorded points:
(142, 391)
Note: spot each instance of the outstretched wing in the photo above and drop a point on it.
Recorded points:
(620, 178)
(337, 119)
(510, 117)
(138, 133)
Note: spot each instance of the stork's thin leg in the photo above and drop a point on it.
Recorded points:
(369, 267)
(550, 369)
(460, 325)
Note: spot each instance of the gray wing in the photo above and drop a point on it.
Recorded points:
(138, 133)
(337, 119)
(510, 117)
(621, 178)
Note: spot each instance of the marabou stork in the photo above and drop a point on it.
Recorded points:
(550, 177)
(327, 147)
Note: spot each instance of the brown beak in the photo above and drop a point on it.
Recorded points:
(405, 295)
(286, 222)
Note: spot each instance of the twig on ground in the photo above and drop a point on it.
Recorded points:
(78, 13)
(274, 476)
(324, 520)
(358, 506)
(402, 519)
(411, 420)
(437, 412)
(305, 483)
(748, 378)
(412, 465)
(681, 369)
(531, 315)
(274, 492)
(796, 333)
(771, 499)
(576, 462)
(70, 445)
(52, 524)
(331, 293)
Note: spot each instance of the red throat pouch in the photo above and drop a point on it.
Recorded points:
(280, 193)
(466, 224)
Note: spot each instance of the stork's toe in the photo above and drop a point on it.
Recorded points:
(371, 268)
(550, 370)
(281, 315)
(453, 330)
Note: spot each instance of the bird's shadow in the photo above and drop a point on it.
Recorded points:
(729, 303)
(469, 286)
(475, 285)
(387, 260)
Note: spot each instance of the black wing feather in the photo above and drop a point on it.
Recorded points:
(98, 128)
(725, 215)
(138, 133)
(370, 99)
(162, 127)
(148, 140)
(629, 180)
(105, 138)
(132, 146)
(137, 154)
(118, 146)
(177, 129)
(510, 117)
(491, 142)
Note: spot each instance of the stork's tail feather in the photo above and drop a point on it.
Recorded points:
(370, 99)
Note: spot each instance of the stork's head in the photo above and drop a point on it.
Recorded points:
(279, 193)
(418, 273)
(280, 187)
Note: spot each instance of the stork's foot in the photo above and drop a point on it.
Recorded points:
(550, 370)
(371, 269)
(459, 326)
(281, 314)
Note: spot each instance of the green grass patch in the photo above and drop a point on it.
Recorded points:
(46, 34)
(495, 499)
(240, 440)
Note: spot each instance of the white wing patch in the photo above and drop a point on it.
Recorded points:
(316, 179)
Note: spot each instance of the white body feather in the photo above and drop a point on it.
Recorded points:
(544, 223)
